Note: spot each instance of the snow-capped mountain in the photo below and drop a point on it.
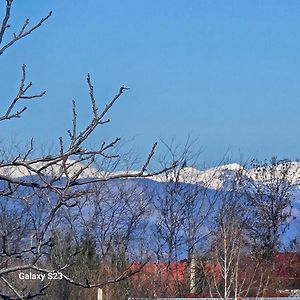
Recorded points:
(73, 167)
(215, 181)
(219, 177)
(213, 178)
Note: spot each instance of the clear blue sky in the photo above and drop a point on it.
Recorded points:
(226, 72)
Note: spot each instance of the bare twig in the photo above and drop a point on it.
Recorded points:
(21, 95)
(22, 33)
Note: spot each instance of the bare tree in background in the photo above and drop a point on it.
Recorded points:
(32, 205)
(268, 192)
(251, 217)
(106, 229)
(230, 268)
(183, 206)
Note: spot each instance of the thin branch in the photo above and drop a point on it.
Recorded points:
(21, 95)
(5, 20)
(11, 287)
(22, 33)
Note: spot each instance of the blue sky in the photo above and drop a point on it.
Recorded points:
(224, 72)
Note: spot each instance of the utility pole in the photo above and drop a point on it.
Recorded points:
(193, 281)
(100, 294)
(193, 264)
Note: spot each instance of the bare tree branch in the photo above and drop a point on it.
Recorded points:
(21, 95)
(22, 32)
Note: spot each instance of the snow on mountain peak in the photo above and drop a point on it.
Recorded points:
(214, 178)
(46, 169)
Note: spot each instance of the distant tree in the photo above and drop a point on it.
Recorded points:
(230, 268)
(183, 207)
(252, 214)
(269, 191)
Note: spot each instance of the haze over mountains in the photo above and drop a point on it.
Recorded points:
(218, 179)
